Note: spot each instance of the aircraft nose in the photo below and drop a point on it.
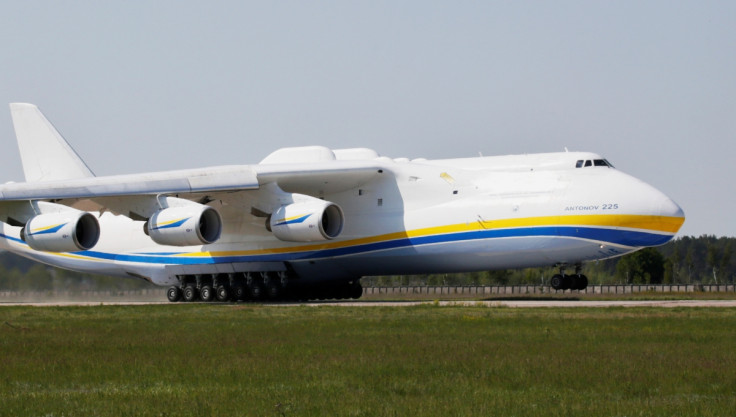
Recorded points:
(669, 214)
(668, 208)
(648, 200)
(649, 208)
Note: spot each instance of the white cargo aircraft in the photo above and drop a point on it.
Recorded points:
(307, 223)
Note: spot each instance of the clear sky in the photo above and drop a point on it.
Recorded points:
(155, 85)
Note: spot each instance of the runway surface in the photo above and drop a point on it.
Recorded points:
(494, 303)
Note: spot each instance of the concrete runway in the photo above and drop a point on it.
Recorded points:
(495, 303)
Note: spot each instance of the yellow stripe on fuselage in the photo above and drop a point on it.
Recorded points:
(657, 224)
(629, 221)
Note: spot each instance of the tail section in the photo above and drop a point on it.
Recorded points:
(43, 151)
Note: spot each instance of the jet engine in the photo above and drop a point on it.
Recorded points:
(194, 224)
(307, 222)
(66, 231)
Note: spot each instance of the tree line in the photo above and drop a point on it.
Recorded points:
(685, 260)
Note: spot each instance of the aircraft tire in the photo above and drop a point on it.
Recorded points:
(574, 282)
(190, 293)
(239, 293)
(255, 291)
(582, 282)
(356, 291)
(222, 293)
(326, 292)
(273, 290)
(304, 294)
(556, 282)
(567, 282)
(343, 293)
(206, 293)
(173, 294)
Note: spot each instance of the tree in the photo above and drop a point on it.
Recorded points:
(726, 270)
(712, 261)
(643, 267)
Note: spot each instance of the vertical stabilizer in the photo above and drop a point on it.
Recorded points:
(43, 151)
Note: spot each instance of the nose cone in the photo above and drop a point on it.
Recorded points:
(641, 214)
(669, 208)
(657, 212)
(670, 214)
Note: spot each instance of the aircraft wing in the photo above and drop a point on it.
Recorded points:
(137, 194)
(57, 176)
(332, 176)
(185, 181)
(133, 195)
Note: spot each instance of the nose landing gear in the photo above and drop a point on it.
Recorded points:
(562, 281)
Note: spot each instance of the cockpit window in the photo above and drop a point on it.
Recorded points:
(596, 162)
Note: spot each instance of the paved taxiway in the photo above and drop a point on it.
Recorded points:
(493, 303)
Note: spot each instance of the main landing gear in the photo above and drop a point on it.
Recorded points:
(259, 287)
(562, 281)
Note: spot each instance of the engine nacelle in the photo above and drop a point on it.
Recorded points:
(307, 222)
(66, 231)
(194, 224)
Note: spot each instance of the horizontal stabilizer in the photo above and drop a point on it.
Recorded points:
(45, 155)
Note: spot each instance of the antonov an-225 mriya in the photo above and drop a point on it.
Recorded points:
(307, 223)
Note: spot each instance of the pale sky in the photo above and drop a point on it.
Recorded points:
(140, 86)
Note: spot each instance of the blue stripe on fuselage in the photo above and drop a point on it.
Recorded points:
(614, 236)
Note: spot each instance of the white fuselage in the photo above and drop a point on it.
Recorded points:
(412, 217)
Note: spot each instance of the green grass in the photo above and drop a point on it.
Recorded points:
(195, 359)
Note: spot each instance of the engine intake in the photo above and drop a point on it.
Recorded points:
(307, 222)
(67, 231)
(185, 226)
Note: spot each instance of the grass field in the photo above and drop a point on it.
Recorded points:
(198, 359)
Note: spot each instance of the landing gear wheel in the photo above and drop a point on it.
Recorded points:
(222, 293)
(574, 282)
(356, 291)
(173, 294)
(582, 282)
(556, 282)
(307, 293)
(330, 292)
(273, 290)
(566, 282)
(206, 293)
(190, 293)
(256, 291)
(238, 293)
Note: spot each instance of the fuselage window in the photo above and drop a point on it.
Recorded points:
(579, 164)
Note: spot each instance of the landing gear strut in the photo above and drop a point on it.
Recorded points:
(563, 282)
